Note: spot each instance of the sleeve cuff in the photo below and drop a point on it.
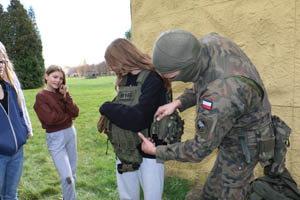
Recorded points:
(103, 108)
(30, 134)
(68, 96)
(184, 104)
(160, 157)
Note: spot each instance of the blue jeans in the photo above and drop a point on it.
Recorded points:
(10, 174)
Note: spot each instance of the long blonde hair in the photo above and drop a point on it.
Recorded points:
(9, 75)
(125, 57)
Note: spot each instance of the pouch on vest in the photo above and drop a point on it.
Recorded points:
(266, 144)
(127, 167)
(282, 132)
(170, 128)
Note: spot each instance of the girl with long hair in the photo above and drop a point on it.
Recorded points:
(140, 91)
(14, 131)
(12, 77)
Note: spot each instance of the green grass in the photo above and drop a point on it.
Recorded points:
(96, 170)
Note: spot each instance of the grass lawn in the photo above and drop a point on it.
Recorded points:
(96, 170)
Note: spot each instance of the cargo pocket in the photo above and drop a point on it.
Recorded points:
(266, 144)
(282, 132)
(235, 172)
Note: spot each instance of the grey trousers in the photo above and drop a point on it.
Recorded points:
(63, 149)
(150, 176)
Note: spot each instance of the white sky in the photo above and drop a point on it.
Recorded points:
(76, 30)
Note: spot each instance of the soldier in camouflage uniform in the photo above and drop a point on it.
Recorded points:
(233, 110)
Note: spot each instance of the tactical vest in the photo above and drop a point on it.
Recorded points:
(125, 142)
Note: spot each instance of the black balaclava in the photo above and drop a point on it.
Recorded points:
(177, 50)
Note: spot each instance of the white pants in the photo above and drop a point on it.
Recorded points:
(150, 176)
(63, 149)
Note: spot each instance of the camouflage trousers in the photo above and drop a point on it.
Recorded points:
(230, 177)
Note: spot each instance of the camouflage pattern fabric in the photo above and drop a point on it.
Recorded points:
(194, 193)
(282, 134)
(268, 187)
(225, 108)
(169, 129)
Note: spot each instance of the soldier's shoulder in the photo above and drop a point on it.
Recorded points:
(222, 85)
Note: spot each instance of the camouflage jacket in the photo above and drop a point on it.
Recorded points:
(225, 105)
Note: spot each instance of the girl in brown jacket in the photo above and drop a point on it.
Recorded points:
(56, 110)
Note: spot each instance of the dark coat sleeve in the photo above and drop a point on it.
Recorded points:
(139, 116)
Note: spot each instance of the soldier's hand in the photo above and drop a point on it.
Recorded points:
(148, 147)
(167, 109)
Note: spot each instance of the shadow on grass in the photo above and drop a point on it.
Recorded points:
(30, 195)
(49, 191)
(176, 188)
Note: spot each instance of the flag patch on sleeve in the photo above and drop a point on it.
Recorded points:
(206, 104)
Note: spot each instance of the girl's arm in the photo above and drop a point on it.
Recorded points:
(47, 115)
(23, 104)
(139, 116)
(72, 108)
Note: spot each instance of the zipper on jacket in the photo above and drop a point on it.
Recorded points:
(13, 131)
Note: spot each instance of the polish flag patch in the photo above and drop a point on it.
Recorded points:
(206, 104)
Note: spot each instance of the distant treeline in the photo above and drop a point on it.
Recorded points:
(20, 35)
(89, 71)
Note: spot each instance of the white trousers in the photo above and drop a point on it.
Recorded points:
(150, 176)
(63, 149)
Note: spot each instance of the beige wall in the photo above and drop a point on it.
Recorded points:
(267, 30)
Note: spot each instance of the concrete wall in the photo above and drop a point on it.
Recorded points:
(267, 30)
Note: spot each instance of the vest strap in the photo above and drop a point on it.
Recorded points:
(245, 148)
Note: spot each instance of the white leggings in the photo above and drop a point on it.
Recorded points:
(63, 149)
(151, 177)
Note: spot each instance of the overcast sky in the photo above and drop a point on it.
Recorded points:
(76, 30)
